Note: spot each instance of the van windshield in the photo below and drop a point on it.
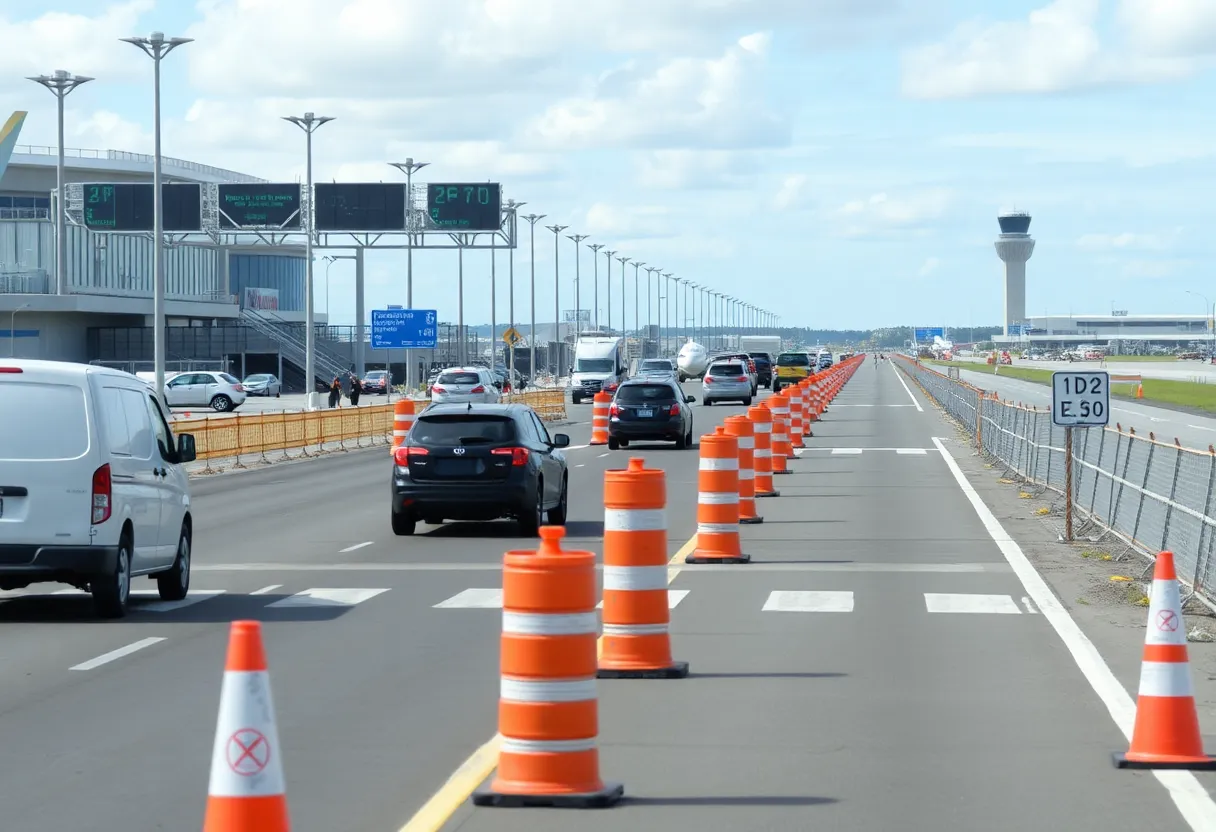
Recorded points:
(793, 359)
(42, 421)
(594, 365)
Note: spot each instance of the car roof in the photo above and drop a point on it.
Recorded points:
(634, 382)
(63, 370)
(513, 410)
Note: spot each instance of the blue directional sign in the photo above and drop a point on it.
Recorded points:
(404, 329)
(924, 333)
(1018, 329)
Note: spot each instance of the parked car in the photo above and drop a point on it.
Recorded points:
(727, 381)
(219, 391)
(462, 385)
(657, 367)
(92, 488)
(479, 462)
(262, 384)
(376, 382)
(650, 409)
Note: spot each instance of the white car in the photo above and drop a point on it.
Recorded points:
(219, 391)
(92, 488)
(461, 385)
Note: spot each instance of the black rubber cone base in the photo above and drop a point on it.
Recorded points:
(677, 670)
(769, 494)
(606, 797)
(780, 473)
(1121, 761)
(751, 521)
(695, 558)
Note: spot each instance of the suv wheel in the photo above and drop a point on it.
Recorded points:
(174, 584)
(111, 592)
(403, 524)
(614, 444)
(557, 516)
(530, 523)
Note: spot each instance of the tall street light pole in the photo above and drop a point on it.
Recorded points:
(595, 263)
(673, 297)
(60, 83)
(608, 286)
(513, 207)
(533, 219)
(650, 284)
(637, 305)
(624, 328)
(12, 330)
(557, 309)
(156, 47)
(578, 297)
(309, 123)
(409, 167)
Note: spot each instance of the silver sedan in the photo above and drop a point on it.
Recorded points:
(263, 384)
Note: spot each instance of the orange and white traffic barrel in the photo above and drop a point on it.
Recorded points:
(247, 791)
(403, 420)
(808, 411)
(548, 707)
(762, 426)
(601, 403)
(637, 642)
(782, 449)
(718, 501)
(1167, 732)
(794, 395)
(741, 428)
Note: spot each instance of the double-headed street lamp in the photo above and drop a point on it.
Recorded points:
(409, 167)
(624, 329)
(156, 47)
(578, 298)
(608, 285)
(61, 83)
(595, 262)
(557, 309)
(532, 219)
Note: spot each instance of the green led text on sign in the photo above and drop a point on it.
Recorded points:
(257, 206)
(99, 207)
(463, 206)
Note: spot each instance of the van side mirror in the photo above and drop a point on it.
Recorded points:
(186, 450)
(560, 440)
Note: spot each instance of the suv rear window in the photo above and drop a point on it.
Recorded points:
(793, 359)
(726, 370)
(639, 393)
(42, 421)
(462, 429)
(228, 378)
(459, 378)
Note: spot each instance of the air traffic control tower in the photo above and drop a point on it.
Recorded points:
(1014, 246)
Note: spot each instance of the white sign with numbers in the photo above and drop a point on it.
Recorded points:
(1080, 399)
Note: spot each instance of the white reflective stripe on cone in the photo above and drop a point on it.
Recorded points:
(763, 427)
(635, 629)
(1165, 679)
(781, 437)
(717, 498)
(712, 464)
(717, 528)
(746, 443)
(747, 474)
(762, 453)
(635, 519)
(527, 690)
(246, 721)
(510, 745)
(635, 578)
(546, 624)
(1164, 606)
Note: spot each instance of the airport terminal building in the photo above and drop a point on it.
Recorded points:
(240, 308)
(1064, 331)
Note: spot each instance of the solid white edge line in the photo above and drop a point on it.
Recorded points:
(266, 590)
(356, 546)
(900, 376)
(1194, 803)
(106, 658)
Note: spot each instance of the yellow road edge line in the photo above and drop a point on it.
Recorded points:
(443, 804)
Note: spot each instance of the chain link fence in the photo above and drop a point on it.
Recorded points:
(1153, 495)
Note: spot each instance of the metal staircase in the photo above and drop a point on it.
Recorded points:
(293, 346)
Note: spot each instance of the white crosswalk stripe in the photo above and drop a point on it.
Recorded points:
(328, 597)
(948, 602)
(782, 600)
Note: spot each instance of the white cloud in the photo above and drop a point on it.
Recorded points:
(930, 266)
(1056, 48)
(708, 103)
(793, 194)
(632, 222)
(909, 210)
(1140, 149)
(1153, 269)
(1170, 28)
(1128, 240)
(79, 43)
(696, 169)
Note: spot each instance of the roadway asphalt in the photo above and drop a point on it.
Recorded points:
(1192, 430)
(883, 717)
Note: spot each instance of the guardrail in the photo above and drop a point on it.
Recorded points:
(1154, 495)
(277, 432)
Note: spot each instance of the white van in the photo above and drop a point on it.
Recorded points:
(92, 489)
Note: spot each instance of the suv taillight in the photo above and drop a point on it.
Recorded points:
(481, 388)
(402, 455)
(614, 411)
(674, 410)
(709, 379)
(519, 456)
(438, 389)
(741, 378)
(103, 493)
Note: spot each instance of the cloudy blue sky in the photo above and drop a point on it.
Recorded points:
(840, 161)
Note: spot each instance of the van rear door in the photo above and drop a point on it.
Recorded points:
(45, 468)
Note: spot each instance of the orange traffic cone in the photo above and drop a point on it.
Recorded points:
(1166, 734)
(247, 792)
(1140, 391)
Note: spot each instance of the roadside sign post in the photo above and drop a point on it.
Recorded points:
(1079, 399)
(403, 329)
(512, 337)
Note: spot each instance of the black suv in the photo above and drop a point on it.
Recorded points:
(650, 409)
(479, 462)
(764, 368)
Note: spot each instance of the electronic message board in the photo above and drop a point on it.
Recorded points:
(465, 206)
(127, 206)
(359, 206)
(259, 205)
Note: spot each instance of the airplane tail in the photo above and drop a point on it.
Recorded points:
(8, 138)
